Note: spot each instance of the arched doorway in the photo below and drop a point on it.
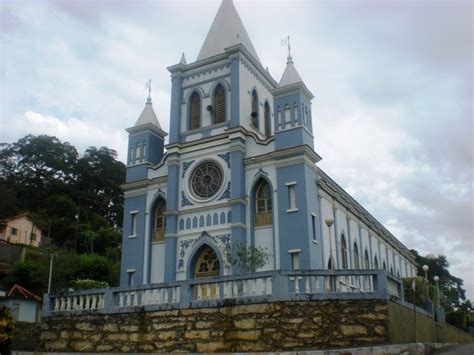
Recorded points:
(207, 265)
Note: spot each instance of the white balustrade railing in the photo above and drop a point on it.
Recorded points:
(78, 302)
(277, 285)
(248, 287)
(315, 283)
(150, 296)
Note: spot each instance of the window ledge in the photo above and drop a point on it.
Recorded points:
(158, 242)
(291, 210)
(264, 227)
(132, 236)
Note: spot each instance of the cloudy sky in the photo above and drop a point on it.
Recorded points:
(393, 82)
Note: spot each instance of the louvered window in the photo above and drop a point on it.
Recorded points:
(219, 102)
(268, 126)
(195, 111)
(254, 113)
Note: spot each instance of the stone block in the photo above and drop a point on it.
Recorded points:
(84, 326)
(48, 336)
(167, 325)
(134, 337)
(379, 330)
(129, 328)
(96, 337)
(203, 325)
(353, 330)
(110, 327)
(295, 320)
(104, 348)
(197, 334)
(167, 335)
(211, 347)
(117, 337)
(81, 346)
(247, 323)
(251, 308)
(244, 335)
(57, 345)
(373, 316)
(305, 334)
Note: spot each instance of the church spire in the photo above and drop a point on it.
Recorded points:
(226, 30)
(148, 115)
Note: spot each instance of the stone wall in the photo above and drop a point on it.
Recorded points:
(257, 327)
(401, 326)
(27, 336)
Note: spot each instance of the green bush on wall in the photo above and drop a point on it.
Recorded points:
(422, 288)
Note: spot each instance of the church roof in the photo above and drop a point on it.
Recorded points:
(226, 31)
(290, 75)
(148, 116)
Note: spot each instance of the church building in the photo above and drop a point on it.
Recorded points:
(240, 170)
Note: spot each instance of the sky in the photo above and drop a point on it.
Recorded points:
(393, 86)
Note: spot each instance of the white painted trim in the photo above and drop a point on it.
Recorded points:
(132, 236)
(291, 183)
(293, 251)
(291, 210)
(131, 270)
(133, 212)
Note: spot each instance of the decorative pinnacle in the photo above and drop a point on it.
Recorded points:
(148, 86)
(286, 41)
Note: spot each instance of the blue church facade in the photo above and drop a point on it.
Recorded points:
(240, 169)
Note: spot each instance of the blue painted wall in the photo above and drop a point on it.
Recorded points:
(133, 248)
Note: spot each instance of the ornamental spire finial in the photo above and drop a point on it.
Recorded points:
(148, 86)
(286, 41)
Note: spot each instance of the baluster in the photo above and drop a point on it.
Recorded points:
(120, 299)
(199, 292)
(226, 289)
(165, 295)
(173, 295)
(244, 288)
(297, 285)
(235, 288)
(218, 290)
(307, 285)
(178, 293)
(88, 299)
(209, 291)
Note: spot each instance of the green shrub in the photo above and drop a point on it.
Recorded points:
(422, 288)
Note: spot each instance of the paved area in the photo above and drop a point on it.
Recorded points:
(465, 349)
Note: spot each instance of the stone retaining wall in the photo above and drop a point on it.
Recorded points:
(257, 327)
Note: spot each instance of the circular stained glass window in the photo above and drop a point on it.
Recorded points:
(206, 180)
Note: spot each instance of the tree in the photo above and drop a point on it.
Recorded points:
(247, 258)
(452, 293)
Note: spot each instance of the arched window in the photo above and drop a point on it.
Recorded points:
(207, 263)
(366, 261)
(263, 204)
(254, 113)
(219, 103)
(268, 124)
(384, 266)
(195, 111)
(160, 222)
(376, 263)
(344, 262)
(356, 257)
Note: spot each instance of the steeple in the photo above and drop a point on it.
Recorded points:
(226, 30)
(290, 75)
(145, 142)
(148, 116)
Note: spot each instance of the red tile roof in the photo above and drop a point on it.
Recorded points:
(21, 292)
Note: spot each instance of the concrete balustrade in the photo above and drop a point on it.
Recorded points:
(252, 288)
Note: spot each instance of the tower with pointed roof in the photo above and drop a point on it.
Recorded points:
(240, 171)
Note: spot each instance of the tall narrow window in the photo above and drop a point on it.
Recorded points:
(313, 225)
(366, 261)
(131, 277)
(133, 224)
(345, 264)
(160, 222)
(268, 122)
(219, 103)
(291, 197)
(254, 113)
(376, 262)
(263, 205)
(356, 257)
(138, 154)
(195, 111)
(287, 114)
